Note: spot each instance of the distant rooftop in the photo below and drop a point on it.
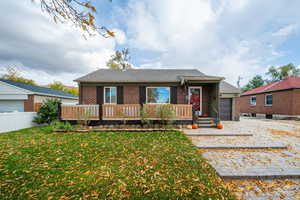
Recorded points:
(40, 90)
(288, 83)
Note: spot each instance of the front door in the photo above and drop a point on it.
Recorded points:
(195, 98)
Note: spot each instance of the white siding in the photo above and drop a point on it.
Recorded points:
(11, 106)
(15, 121)
(9, 92)
(41, 99)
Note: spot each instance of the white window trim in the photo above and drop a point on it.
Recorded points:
(110, 95)
(266, 100)
(201, 94)
(251, 102)
(158, 87)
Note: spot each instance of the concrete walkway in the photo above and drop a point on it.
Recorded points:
(253, 149)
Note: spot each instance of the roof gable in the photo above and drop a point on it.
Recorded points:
(40, 90)
(288, 83)
(227, 88)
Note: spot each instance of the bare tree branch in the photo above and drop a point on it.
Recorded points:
(79, 12)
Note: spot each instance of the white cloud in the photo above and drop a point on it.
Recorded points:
(225, 37)
(41, 47)
(287, 30)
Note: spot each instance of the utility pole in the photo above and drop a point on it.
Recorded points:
(239, 82)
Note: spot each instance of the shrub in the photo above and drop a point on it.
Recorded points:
(84, 118)
(48, 112)
(63, 126)
(166, 114)
(144, 117)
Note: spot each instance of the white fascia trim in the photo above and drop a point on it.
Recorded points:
(23, 90)
(52, 95)
(38, 93)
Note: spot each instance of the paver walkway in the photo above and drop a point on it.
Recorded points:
(254, 163)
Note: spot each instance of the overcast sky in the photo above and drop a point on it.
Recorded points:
(219, 37)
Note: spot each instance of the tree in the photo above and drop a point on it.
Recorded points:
(255, 82)
(282, 72)
(120, 60)
(56, 85)
(48, 112)
(14, 75)
(73, 91)
(79, 12)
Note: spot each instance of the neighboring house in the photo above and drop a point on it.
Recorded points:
(210, 95)
(15, 96)
(275, 100)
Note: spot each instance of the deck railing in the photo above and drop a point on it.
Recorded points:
(121, 111)
(182, 111)
(80, 112)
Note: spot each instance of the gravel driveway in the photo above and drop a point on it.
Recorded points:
(255, 161)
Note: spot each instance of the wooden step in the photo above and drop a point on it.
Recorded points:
(205, 118)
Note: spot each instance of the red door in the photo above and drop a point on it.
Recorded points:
(195, 99)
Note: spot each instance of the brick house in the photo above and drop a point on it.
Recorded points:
(279, 99)
(129, 90)
(20, 97)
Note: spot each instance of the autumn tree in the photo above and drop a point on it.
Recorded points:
(14, 75)
(56, 85)
(120, 60)
(72, 90)
(279, 73)
(255, 82)
(80, 13)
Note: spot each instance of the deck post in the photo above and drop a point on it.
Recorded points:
(59, 112)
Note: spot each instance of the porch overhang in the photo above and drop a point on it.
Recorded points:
(200, 79)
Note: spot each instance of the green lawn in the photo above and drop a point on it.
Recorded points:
(37, 165)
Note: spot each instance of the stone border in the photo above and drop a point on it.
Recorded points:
(242, 147)
(222, 134)
(258, 177)
(116, 130)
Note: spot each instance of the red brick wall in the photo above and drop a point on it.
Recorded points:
(296, 102)
(282, 103)
(181, 95)
(29, 104)
(131, 94)
(88, 95)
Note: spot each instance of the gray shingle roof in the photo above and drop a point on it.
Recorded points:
(40, 90)
(141, 75)
(227, 88)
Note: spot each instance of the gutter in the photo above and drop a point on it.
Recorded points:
(270, 91)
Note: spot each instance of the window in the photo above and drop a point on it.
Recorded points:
(253, 101)
(269, 100)
(158, 95)
(110, 95)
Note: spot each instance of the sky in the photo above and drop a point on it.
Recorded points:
(227, 38)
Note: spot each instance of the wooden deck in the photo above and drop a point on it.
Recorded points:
(122, 111)
(80, 112)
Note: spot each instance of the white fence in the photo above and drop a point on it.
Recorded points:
(16, 121)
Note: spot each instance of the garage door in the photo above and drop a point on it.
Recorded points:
(226, 108)
(11, 106)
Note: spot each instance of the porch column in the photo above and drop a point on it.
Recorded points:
(218, 100)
